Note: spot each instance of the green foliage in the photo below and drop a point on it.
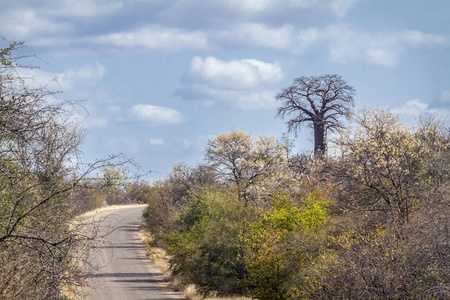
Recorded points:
(163, 211)
(112, 177)
(266, 256)
(6, 54)
(198, 209)
(284, 215)
(271, 257)
(139, 192)
(315, 211)
(208, 249)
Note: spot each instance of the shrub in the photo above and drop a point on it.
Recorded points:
(276, 245)
(208, 249)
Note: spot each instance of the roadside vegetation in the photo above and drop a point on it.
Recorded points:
(369, 220)
(44, 185)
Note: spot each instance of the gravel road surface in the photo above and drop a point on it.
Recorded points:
(125, 272)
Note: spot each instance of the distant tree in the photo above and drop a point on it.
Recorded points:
(238, 159)
(322, 100)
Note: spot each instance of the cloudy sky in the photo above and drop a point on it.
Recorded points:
(159, 77)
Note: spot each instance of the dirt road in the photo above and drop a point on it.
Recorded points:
(125, 272)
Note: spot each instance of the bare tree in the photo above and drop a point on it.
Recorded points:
(321, 100)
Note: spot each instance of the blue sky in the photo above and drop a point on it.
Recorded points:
(160, 77)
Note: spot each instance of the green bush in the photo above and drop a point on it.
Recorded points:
(273, 256)
(208, 249)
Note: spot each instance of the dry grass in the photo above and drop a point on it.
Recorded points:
(158, 257)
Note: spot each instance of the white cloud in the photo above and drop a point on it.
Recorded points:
(235, 74)
(340, 7)
(254, 35)
(46, 23)
(242, 83)
(345, 43)
(242, 99)
(83, 77)
(418, 38)
(413, 107)
(306, 38)
(232, 24)
(154, 115)
(254, 100)
(382, 57)
(155, 38)
(157, 142)
(348, 43)
(337, 7)
(82, 8)
(77, 81)
(26, 23)
(416, 107)
(252, 10)
(36, 78)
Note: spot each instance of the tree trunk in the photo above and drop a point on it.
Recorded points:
(320, 138)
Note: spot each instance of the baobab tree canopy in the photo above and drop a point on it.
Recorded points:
(322, 100)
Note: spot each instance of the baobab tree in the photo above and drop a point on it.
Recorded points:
(321, 100)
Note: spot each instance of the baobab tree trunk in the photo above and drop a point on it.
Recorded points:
(320, 139)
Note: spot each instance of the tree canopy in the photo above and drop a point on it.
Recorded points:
(322, 100)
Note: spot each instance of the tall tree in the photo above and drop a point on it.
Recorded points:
(321, 100)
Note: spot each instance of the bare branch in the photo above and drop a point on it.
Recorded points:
(322, 100)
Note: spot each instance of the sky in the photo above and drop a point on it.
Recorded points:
(160, 77)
